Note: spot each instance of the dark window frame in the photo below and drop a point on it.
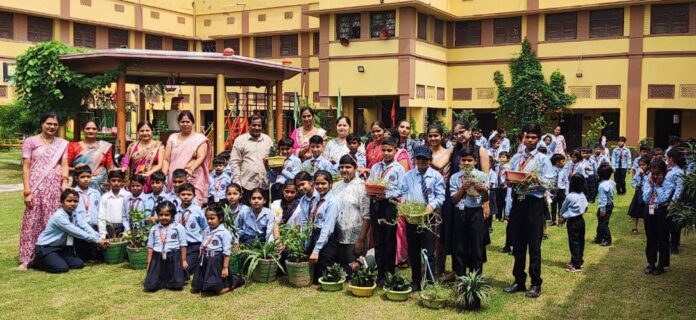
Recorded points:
(84, 35)
(348, 25)
(467, 33)
(561, 26)
(289, 45)
(152, 41)
(263, 47)
(422, 26)
(116, 38)
(6, 25)
(607, 23)
(180, 45)
(39, 29)
(379, 20)
(234, 44)
(674, 16)
(209, 46)
(507, 30)
(315, 43)
(439, 31)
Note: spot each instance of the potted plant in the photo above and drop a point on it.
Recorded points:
(333, 278)
(397, 287)
(412, 211)
(137, 239)
(261, 261)
(376, 188)
(435, 295)
(235, 258)
(297, 264)
(471, 290)
(274, 160)
(362, 284)
(116, 251)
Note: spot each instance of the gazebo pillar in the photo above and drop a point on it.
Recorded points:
(279, 110)
(121, 113)
(220, 107)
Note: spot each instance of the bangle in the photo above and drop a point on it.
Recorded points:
(27, 193)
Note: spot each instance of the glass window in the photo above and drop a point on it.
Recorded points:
(288, 45)
(607, 23)
(348, 26)
(669, 18)
(507, 30)
(264, 47)
(467, 33)
(562, 26)
(382, 21)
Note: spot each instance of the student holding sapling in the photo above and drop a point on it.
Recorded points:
(166, 251)
(317, 161)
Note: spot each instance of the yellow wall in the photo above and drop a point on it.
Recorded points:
(41, 7)
(167, 22)
(379, 77)
(218, 25)
(103, 11)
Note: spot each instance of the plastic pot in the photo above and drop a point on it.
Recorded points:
(397, 295)
(362, 291)
(331, 286)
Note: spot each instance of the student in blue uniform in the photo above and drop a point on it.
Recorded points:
(256, 223)
(113, 214)
(88, 208)
(468, 213)
(214, 274)
(559, 193)
(158, 194)
(657, 192)
(317, 161)
(54, 250)
(621, 161)
(643, 151)
(675, 174)
(502, 163)
(190, 215)
(232, 207)
(574, 206)
(138, 200)
(605, 206)
(423, 184)
(591, 179)
(218, 181)
(353, 142)
(527, 215)
(637, 207)
(291, 166)
(381, 208)
(166, 251)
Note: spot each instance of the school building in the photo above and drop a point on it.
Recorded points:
(631, 61)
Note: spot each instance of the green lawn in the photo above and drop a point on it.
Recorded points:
(10, 166)
(612, 285)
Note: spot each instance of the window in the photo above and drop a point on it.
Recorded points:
(660, 91)
(84, 35)
(348, 26)
(39, 29)
(230, 20)
(461, 94)
(440, 93)
(315, 39)
(118, 38)
(382, 20)
(288, 45)
(439, 31)
(208, 46)
(607, 23)
(154, 14)
(288, 15)
(3, 91)
(561, 26)
(181, 20)
(262, 17)
(232, 43)
(315, 96)
(467, 33)
(153, 42)
(422, 26)
(6, 22)
(608, 92)
(420, 91)
(669, 18)
(508, 30)
(264, 47)
(180, 45)
(205, 98)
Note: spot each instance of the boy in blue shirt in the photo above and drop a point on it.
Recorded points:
(642, 152)
(425, 185)
(291, 166)
(381, 208)
(353, 142)
(621, 160)
(218, 181)
(605, 206)
(317, 161)
(559, 193)
(158, 194)
(190, 215)
(88, 209)
(591, 181)
(138, 200)
(657, 194)
(574, 206)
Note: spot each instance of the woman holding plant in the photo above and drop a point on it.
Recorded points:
(301, 135)
(144, 156)
(93, 153)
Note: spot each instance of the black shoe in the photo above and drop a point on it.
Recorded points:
(505, 250)
(658, 271)
(515, 288)
(415, 287)
(674, 250)
(649, 269)
(595, 240)
(605, 243)
(534, 292)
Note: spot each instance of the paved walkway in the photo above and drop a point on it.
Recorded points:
(11, 187)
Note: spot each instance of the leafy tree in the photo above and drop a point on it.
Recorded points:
(530, 98)
(596, 128)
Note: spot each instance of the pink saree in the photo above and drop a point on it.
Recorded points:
(181, 155)
(140, 160)
(45, 183)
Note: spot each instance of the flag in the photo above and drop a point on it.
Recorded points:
(393, 112)
(339, 109)
(296, 110)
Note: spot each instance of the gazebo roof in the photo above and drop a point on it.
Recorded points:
(185, 67)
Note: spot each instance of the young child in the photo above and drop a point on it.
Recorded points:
(179, 177)
(54, 250)
(425, 185)
(214, 274)
(605, 206)
(561, 178)
(621, 160)
(138, 200)
(494, 147)
(591, 181)
(353, 141)
(504, 141)
(287, 208)
(657, 192)
(158, 195)
(381, 208)
(468, 213)
(642, 152)
(88, 208)
(479, 139)
(676, 163)
(548, 144)
(256, 223)
(637, 207)
(166, 251)
(658, 154)
(492, 184)
(219, 180)
(190, 215)
(598, 158)
(574, 206)
(291, 166)
(113, 213)
(317, 161)
(499, 188)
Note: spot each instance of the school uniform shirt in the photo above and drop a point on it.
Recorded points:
(217, 185)
(605, 194)
(675, 176)
(534, 161)
(324, 216)
(393, 173)
(635, 167)
(152, 200)
(291, 167)
(482, 142)
(456, 182)
(355, 209)
(318, 163)
(637, 181)
(589, 167)
(431, 182)
(621, 158)
(551, 147)
(278, 213)
(113, 209)
(500, 175)
(598, 160)
(63, 224)
(505, 144)
(217, 240)
(657, 195)
(359, 158)
(167, 239)
(251, 225)
(574, 205)
(579, 167)
(562, 179)
(492, 179)
(88, 206)
(193, 221)
(494, 152)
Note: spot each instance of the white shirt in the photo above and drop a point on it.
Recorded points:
(112, 209)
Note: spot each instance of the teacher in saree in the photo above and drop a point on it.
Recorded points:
(44, 173)
(143, 157)
(190, 151)
(302, 134)
(93, 153)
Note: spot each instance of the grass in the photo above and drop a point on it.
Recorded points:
(612, 285)
(10, 166)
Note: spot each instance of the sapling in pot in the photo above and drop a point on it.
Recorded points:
(333, 278)
(397, 287)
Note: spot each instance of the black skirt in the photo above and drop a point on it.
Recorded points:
(165, 274)
(208, 277)
(637, 208)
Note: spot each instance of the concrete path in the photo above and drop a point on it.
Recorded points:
(11, 187)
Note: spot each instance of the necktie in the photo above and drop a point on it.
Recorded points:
(424, 188)
(314, 214)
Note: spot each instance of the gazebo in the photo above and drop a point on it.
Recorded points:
(191, 68)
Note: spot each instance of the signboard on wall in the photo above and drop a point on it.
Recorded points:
(8, 71)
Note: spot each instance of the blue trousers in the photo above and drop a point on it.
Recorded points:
(56, 259)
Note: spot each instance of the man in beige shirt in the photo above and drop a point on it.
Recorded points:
(247, 159)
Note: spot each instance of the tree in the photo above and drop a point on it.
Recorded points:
(529, 98)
